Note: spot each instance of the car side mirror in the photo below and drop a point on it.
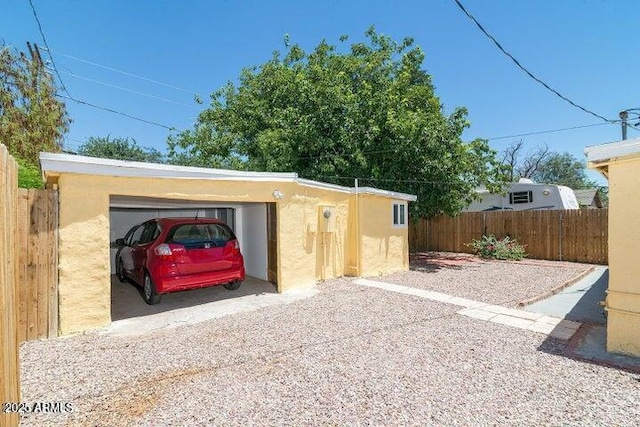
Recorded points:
(120, 242)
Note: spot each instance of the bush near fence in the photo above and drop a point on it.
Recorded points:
(579, 235)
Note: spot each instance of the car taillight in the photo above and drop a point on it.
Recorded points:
(163, 250)
(234, 246)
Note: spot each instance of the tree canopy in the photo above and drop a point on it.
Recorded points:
(31, 118)
(545, 166)
(563, 169)
(119, 149)
(370, 113)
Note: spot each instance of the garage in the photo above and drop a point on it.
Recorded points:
(248, 221)
(292, 232)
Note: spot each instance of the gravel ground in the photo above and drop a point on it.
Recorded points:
(494, 282)
(348, 356)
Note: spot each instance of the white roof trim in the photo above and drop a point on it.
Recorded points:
(72, 163)
(386, 193)
(360, 190)
(604, 152)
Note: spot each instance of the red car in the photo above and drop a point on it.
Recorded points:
(175, 254)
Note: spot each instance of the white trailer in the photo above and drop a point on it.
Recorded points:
(525, 195)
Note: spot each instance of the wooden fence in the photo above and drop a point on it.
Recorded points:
(9, 354)
(579, 235)
(37, 264)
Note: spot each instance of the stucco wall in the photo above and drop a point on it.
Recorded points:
(306, 251)
(384, 248)
(84, 287)
(623, 297)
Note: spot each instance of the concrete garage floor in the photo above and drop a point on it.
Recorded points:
(130, 315)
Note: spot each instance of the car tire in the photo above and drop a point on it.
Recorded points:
(149, 291)
(232, 286)
(120, 274)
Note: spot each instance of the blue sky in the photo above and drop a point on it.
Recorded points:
(586, 49)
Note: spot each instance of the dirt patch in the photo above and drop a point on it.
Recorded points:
(433, 261)
(133, 401)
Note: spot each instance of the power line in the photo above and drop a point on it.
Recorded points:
(529, 73)
(128, 90)
(44, 39)
(319, 156)
(79, 101)
(126, 73)
(547, 131)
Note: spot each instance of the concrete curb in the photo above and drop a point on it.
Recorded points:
(558, 288)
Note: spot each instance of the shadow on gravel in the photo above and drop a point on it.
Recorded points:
(431, 262)
(127, 302)
(588, 344)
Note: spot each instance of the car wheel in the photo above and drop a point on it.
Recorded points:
(149, 292)
(120, 274)
(232, 286)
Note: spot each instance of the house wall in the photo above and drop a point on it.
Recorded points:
(623, 296)
(307, 250)
(384, 248)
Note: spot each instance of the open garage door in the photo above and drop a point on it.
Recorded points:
(247, 220)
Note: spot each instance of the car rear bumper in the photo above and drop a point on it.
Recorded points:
(200, 280)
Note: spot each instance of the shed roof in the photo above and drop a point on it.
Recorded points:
(54, 163)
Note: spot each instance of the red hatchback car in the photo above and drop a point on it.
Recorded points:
(175, 254)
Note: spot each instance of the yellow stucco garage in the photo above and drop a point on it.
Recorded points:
(319, 230)
(620, 163)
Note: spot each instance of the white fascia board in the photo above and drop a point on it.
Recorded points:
(72, 163)
(359, 190)
(386, 193)
(324, 185)
(604, 152)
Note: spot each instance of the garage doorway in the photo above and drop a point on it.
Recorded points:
(272, 244)
(249, 222)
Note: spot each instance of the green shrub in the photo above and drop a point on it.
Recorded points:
(490, 247)
(29, 175)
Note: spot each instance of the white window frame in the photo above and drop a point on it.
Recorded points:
(399, 210)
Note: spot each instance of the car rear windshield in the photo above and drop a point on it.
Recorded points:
(195, 234)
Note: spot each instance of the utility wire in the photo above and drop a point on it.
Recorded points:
(115, 70)
(319, 156)
(44, 39)
(529, 73)
(79, 101)
(547, 131)
(128, 90)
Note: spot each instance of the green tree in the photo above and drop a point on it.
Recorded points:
(31, 118)
(119, 149)
(370, 113)
(563, 169)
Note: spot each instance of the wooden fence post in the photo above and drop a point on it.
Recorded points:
(560, 235)
(9, 351)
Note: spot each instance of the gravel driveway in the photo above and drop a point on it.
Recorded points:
(348, 356)
(494, 282)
